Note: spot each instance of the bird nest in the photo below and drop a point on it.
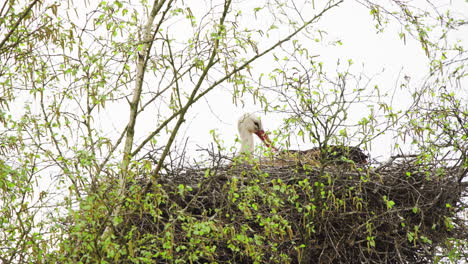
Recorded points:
(398, 212)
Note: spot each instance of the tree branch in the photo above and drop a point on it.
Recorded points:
(15, 26)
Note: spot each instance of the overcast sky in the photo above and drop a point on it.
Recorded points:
(384, 56)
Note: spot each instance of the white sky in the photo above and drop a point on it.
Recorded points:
(384, 55)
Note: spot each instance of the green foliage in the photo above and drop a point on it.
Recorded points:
(76, 84)
(20, 235)
(259, 214)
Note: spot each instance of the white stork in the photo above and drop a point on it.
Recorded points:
(250, 124)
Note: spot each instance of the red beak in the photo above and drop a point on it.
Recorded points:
(264, 137)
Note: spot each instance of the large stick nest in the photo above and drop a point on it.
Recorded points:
(398, 212)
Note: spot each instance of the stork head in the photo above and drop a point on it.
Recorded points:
(249, 123)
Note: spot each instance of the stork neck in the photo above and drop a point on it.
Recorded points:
(247, 142)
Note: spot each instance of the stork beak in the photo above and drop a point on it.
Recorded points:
(264, 137)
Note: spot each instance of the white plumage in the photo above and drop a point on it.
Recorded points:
(248, 125)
